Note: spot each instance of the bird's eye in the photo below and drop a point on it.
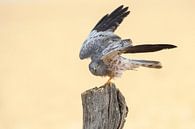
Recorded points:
(95, 69)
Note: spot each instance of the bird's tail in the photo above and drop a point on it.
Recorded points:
(147, 63)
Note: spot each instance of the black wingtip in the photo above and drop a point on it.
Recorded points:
(167, 46)
(126, 8)
(173, 46)
(111, 21)
(120, 7)
(149, 48)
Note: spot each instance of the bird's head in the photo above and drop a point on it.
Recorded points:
(98, 68)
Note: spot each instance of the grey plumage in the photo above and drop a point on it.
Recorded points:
(105, 48)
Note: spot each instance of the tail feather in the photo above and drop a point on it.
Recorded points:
(147, 63)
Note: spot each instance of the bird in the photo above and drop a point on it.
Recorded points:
(106, 49)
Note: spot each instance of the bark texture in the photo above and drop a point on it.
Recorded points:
(104, 108)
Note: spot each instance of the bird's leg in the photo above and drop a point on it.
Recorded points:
(109, 80)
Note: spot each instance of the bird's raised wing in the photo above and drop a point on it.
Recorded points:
(102, 34)
(112, 21)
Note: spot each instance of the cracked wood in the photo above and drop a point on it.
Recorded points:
(104, 108)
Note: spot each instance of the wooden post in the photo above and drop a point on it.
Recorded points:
(104, 108)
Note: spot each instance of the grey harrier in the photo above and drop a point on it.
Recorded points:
(106, 48)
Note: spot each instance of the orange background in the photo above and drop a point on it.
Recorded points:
(41, 76)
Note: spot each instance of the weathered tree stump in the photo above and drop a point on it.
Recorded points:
(104, 108)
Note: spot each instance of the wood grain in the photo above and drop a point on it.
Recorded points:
(104, 108)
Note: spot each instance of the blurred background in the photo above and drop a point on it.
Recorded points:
(42, 77)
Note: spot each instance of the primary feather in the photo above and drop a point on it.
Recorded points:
(111, 21)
